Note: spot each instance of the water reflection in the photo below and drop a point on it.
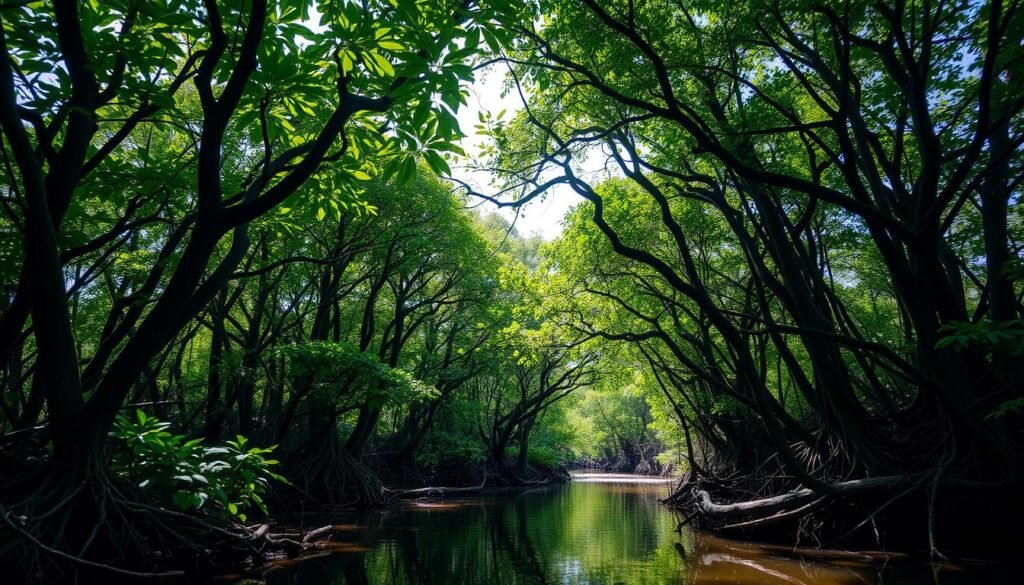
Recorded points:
(723, 561)
(588, 532)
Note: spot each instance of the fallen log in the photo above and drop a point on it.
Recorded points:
(799, 498)
(437, 491)
(778, 516)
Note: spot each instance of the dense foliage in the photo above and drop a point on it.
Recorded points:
(809, 230)
(796, 276)
(232, 477)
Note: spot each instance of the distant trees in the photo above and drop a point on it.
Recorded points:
(541, 379)
(618, 418)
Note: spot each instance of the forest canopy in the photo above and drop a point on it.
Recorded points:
(240, 271)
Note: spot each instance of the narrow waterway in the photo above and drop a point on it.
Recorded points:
(598, 529)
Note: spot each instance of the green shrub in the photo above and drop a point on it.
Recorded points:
(226, 480)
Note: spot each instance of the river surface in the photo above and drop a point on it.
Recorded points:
(598, 529)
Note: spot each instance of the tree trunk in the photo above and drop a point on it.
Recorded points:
(523, 460)
(216, 411)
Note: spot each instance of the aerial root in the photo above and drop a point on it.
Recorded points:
(332, 478)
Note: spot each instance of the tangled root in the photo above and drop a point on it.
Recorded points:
(58, 523)
(331, 476)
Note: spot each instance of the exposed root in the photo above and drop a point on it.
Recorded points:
(56, 525)
(85, 562)
(332, 477)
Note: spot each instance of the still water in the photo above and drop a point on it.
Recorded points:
(598, 529)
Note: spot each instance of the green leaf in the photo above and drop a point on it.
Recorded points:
(347, 61)
(183, 500)
(406, 171)
(382, 63)
(437, 163)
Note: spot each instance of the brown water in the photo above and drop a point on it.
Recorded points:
(599, 529)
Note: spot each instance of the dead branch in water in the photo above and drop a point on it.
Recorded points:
(438, 491)
(766, 507)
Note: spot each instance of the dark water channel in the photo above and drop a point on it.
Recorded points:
(599, 529)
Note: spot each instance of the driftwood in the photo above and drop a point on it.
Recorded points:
(779, 516)
(804, 499)
(318, 534)
(438, 491)
(261, 532)
(291, 543)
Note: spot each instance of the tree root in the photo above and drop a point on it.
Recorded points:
(58, 526)
(85, 562)
(333, 478)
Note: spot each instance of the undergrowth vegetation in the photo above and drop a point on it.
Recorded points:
(227, 479)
